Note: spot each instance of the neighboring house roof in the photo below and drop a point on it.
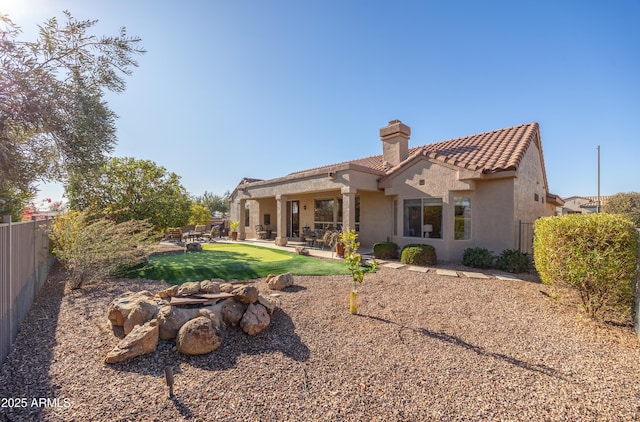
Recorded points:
(593, 201)
(590, 201)
(489, 152)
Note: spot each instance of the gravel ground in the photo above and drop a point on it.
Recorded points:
(424, 347)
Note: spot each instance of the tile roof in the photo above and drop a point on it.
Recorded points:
(489, 152)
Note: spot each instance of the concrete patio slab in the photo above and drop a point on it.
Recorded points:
(394, 265)
(418, 269)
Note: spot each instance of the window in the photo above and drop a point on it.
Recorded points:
(423, 218)
(323, 214)
(462, 218)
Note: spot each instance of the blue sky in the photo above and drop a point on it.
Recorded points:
(232, 89)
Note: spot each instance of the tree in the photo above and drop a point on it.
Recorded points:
(53, 118)
(627, 204)
(214, 203)
(129, 189)
(12, 201)
(199, 215)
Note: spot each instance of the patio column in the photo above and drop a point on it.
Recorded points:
(281, 220)
(348, 207)
(242, 235)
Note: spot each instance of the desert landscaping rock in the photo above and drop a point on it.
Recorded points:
(194, 247)
(232, 311)
(280, 281)
(215, 315)
(270, 303)
(227, 287)
(141, 341)
(211, 286)
(171, 318)
(255, 319)
(188, 288)
(121, 306)
(144, 311)
(197, 337)
(245, 294)
(168, 292)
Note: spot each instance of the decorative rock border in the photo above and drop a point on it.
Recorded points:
(197, 319)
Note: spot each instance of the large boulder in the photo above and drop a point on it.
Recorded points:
(194, 247)
(144, 311)
(215, 315)
(198, 336)
(141, 340)
(232, 311)
(245, 294)
(279, 282)
(189, 288)
(120, 307)
(255, 319)
(172, 318)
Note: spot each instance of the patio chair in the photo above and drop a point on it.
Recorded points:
(214, 232)
(197, 232)
(261, 232)
(174, 234)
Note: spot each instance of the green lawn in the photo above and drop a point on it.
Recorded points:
(232, 262)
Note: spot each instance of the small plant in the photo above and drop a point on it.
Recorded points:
(331, 239)
(513, 261)
(415, 254)
(353, 261)
(478, 258)
(385, 250)
(233, 225)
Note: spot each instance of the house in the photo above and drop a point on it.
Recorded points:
(474, 191)
(583, 204)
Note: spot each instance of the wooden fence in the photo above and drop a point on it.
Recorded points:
(25, 260)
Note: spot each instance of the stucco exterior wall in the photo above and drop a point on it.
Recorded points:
(376, 218)
(426, 179)
(493, 209)
(529, 187)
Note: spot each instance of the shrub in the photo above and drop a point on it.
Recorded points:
(385, 250)
(478, 258)
(595, 255)
(415, 254)
(513, 261)
(95, 249)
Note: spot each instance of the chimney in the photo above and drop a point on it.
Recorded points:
(395, 143)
